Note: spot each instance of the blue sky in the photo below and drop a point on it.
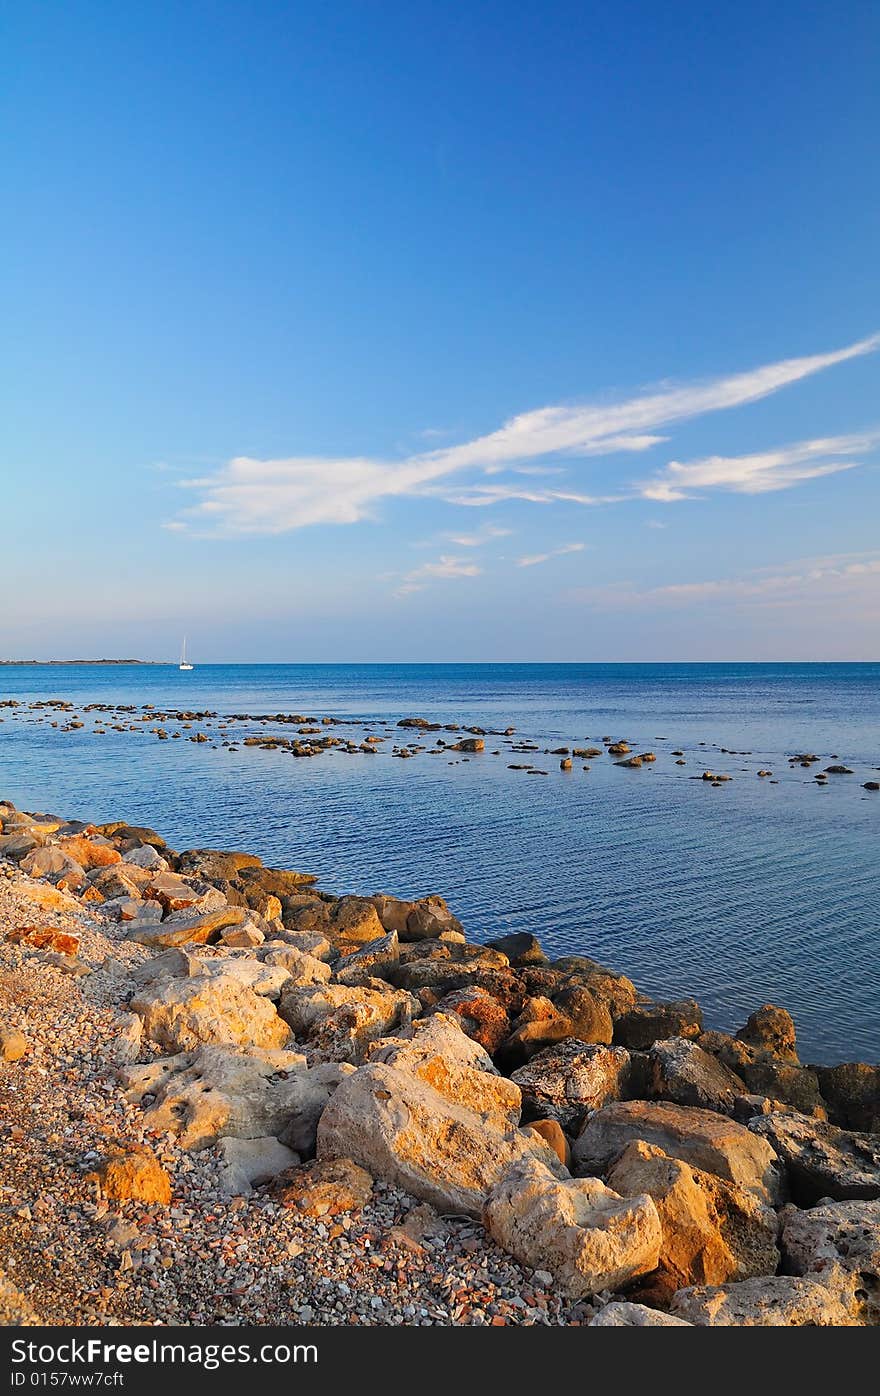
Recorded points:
(431, 331)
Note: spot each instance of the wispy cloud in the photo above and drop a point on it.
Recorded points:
(479, 538)
(536, 558)
(761, 472)
(445, 568)
(249, 496)
(804, 581)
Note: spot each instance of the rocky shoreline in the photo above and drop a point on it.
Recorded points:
(231, 1097)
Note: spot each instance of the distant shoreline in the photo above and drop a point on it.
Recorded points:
(67, 663)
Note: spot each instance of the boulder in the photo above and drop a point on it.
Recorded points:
(442, 965)
(552, 1133)
(324, 1188)
(244, 1093)
(565, 1082)
(437, 1051)
(821, 1159)
(13, 1043)
(710, 1142)
(90, 853)
(182, 1014)
(648, 1023)
(247, 1162)
(44, 938)
(771, 1030)
(683, 1073)
(712, 1230)
(300, 967)
(773, 1301)
(838, 1238)
(147, 857)
(587, 1012)
(181, 964)
(420, 920)
(51, 862)
(191, 930)
(210, 863)
(374, 959)
(521, 948)
(851, 1092)
(620, 1315)
(134, 1175)
(785, 1082)
(341, 1020)
(400, 1129)
(481, 1015)
(586, 1236)
(618, 992)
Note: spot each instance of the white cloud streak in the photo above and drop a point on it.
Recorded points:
(536, 558)
(250, 496)
(759, 473)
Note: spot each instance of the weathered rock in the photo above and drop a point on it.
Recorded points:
(300, 967)
(552, 1133)
(712, 1230)
(375, 958)
(521, 948)
(618, 992)
(437, 1051)
(309, 942)
(785, 1082)
(51, 862)
(822, 1160)
(44, 938)
(420, 920)
(838, 1238)
(400, 1129)
(852, 1094)
(682, 1072)
(251, 1161)
(443, 965)
(587, 1237)
(587, 1011)
(134, 1175)
(13, 1043)
(213, 863)
(192, 930)
(17, 846)
(182, 1014)
(648, 1023)
(88, 852)
(705, 1140)
(567, 1081)
(243, 1093)
(130, 833)
(341, 1020)
(771, 1029)
(324, 1188)
(773, 1301)
(147, 857)
(481, 1015)
(620, 1315)
(127, 1039)
(252, 974)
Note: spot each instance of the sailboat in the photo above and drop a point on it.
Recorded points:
(183, 664)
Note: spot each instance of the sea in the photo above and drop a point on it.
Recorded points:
(761, 889)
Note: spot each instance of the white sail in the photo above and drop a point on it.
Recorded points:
(183, 664)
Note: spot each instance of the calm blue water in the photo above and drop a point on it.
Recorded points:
(737, 896)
